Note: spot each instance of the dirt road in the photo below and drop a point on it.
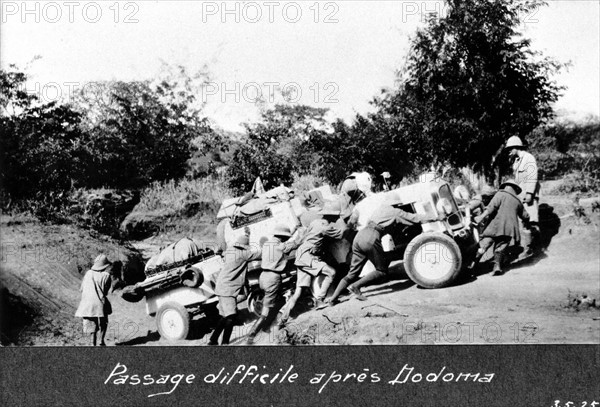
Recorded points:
(534, 302)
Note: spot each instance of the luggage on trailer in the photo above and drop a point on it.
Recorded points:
(181, 250)
(175, 266)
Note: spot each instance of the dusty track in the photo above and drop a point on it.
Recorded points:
(530, 304)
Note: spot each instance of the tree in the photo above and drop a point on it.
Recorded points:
(40, 147)
(469, 83)
(366, 145)
(114, 134)
(277, 147)
(141, 132)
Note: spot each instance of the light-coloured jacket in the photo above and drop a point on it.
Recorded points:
(232, 277)
(94, 289)
(312, 246)
(274, 253)
(526, 173)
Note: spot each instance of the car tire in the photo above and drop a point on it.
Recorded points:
(432, 260)
(173, 321)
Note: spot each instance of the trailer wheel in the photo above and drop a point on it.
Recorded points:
(173, 321)
(432, 260)
(255, 302)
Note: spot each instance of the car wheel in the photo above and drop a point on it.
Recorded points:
(173, 321)
(432, 260)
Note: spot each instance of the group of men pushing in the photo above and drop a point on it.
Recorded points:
(309, 262)
(503, 210)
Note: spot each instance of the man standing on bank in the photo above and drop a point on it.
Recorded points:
(504, 210)
(525, 172)
(273, 263)
(367, 246)
(230, 282)
(308, 257)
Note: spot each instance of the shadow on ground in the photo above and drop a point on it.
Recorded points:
(152, 336)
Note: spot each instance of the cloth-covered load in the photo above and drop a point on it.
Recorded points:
(183, 249)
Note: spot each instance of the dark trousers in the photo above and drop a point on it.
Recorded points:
(366, 246)
(500, 243)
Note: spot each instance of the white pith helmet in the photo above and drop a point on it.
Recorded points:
(514, 142)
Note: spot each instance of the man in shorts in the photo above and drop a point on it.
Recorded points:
(273, 264)
(94, 306)
(230, 282)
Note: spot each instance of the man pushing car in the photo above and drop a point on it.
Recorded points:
(367, 246)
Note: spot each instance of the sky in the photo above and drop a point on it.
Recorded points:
(336, 55)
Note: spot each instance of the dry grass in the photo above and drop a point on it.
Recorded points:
(304, 183)
(173, 196)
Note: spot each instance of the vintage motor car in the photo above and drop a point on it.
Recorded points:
(433, 254)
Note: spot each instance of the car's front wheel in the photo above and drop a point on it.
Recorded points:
(432, 260)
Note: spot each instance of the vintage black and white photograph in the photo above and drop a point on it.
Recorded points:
(311, 173)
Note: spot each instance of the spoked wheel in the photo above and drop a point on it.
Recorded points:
(173, 321)
(432, 260)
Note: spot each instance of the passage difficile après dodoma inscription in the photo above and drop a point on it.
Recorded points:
(285, 376)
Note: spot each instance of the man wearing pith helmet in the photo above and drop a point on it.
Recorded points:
(525, 171)
(230, 282)
(504, 210)
(273, 264)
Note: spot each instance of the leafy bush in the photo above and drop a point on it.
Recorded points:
(577, 182)
(126, 135)
(41, 151)
(570, 150)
